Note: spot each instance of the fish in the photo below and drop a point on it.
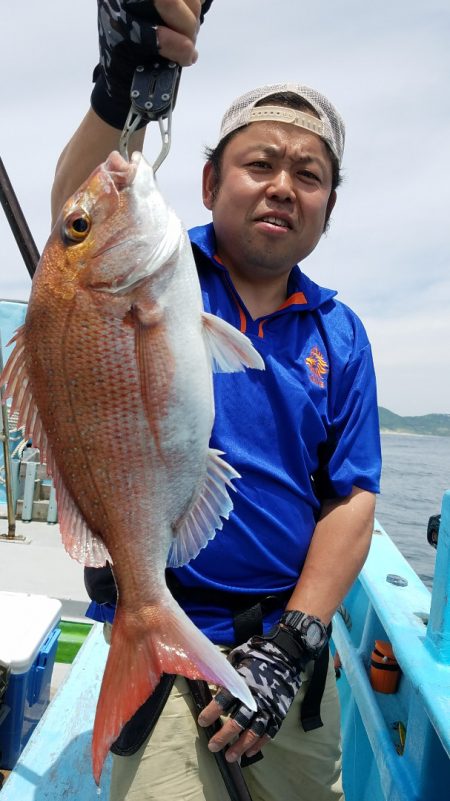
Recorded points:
(111, 374)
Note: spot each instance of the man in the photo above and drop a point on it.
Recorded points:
(303, 434)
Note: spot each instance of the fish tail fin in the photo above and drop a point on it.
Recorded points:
(161, 639)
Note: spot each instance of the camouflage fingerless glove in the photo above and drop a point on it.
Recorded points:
(273, 677)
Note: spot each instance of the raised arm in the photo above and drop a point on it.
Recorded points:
(89, 146)
(100, 129)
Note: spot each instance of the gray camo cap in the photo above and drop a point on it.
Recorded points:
(330, 125)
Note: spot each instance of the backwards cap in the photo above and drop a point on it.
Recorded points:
(330, 125)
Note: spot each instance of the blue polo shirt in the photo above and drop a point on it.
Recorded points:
(303, 430)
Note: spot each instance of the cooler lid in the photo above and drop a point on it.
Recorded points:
(25, 622)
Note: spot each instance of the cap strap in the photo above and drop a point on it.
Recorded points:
(289, 115)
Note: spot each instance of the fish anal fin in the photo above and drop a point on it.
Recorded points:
(144, 645)
(213, 503)
(78, 539)
(230, 350)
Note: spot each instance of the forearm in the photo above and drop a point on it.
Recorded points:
(91, 144)
(338, 550)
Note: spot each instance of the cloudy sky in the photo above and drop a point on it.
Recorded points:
(386, 66)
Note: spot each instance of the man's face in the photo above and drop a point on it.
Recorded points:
(274, 197)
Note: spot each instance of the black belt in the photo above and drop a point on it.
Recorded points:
(248, 609)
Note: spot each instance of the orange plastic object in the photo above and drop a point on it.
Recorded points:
(384, 668)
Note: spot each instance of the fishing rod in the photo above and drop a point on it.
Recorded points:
(231, 771)
(17, 222)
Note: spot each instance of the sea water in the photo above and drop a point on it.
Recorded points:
(415, 475)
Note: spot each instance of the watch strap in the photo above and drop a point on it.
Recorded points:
(298, 623)
(287, 642)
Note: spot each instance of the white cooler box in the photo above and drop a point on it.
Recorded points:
(28, 641)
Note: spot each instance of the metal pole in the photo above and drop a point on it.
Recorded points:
(4, 436)
(17, 222)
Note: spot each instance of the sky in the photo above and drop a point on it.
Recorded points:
(384, 65)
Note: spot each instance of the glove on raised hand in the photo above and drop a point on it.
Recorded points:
(273, 677)
(127, 39)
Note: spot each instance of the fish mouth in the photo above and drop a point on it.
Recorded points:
(122, 172)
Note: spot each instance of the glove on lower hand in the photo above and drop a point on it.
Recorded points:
(273, 678)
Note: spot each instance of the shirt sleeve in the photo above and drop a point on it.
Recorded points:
(352, 455)
(102, 613)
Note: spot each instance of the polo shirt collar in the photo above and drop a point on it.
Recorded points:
(303, 294)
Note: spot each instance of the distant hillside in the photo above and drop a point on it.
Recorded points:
(431, 424)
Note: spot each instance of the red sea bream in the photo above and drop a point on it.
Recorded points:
(112, 376)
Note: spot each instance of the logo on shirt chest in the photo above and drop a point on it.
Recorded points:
(317, 367)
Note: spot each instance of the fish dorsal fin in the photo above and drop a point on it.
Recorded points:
(230, 351)
(213, 503)
(78, 539)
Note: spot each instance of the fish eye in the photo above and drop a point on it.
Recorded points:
(77, 226)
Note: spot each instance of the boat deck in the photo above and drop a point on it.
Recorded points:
(56, 763)
(37, 563)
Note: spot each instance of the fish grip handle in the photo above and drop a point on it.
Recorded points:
(154, 87)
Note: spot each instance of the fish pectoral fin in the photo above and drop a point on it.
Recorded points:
(230, 350)
(79, 541)
(148, 314)
(155, 363)
(199, 525)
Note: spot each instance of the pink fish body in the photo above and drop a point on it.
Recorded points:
(112, 376)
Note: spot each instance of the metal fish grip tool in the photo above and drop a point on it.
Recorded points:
(153, 95)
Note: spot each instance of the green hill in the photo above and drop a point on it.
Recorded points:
(437, 425)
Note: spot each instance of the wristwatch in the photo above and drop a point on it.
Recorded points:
(308, 631)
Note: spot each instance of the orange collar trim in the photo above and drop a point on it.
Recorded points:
(296, 297)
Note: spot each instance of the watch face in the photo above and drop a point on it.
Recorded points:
(313, 634)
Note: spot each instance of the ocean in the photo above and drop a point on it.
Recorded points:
(416, 473)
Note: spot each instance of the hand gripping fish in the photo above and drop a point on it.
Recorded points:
(111, 374)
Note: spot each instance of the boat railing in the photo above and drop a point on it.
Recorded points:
(397, 746)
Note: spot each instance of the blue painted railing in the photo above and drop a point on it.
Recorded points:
(377, 765)
(438, 630)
